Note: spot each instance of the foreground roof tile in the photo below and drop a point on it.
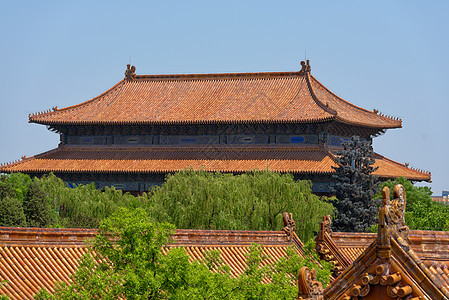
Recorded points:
(35, 258)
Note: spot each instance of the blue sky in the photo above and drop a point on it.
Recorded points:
(388, 55)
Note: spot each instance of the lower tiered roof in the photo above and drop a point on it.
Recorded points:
(306, 160)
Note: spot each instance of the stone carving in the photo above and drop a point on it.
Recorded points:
(130, 73)
(308, 285)
(289, 225)
(392, 219)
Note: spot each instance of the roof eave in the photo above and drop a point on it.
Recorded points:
(190, 122)
(380, 127)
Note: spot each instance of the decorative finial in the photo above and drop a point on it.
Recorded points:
(130, 72)
(392, 218)
(326, 225)
(305, 67)
(309, 288)
(289, 225)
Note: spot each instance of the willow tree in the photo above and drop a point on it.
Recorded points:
(251, 201)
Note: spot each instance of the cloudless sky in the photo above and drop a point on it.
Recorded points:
(388, 55)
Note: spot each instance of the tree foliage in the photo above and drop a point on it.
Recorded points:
(49, 202)
(84, 206)
(421, 212)
(188, 199)
(251, 201)
(11, 213)
(38, 207)
(355, 187)
(126, 262)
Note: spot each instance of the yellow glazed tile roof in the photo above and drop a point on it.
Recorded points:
(307, 160)
(216, 98)
(35, 258)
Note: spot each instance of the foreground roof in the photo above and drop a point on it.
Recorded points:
(233, 245)
(389, 268)
(343, 248)
(307, 160)
(216, 98)
(35, 258)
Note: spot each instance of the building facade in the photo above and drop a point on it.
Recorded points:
(146, 126)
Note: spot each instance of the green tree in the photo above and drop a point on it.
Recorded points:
(38, 208)
(355, 187)
(84, 206)
(12, 190)
(188, 199)
(251, 201)
(20, 184)
(14, 185)
(11, 212)
(6, 188)
(421, 212)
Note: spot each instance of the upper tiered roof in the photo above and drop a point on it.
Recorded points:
(271, 97)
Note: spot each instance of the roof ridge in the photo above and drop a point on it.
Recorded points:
(353, 105)
(326, 107)
(213, 76)
(46, 229)
(185, 230)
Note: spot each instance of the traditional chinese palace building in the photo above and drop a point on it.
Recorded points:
(146, 126)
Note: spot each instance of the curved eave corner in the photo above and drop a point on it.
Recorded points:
(379, 127)
(38, 116)
(415, 174)
(399, 169)
(6, 167)
(396, 122)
